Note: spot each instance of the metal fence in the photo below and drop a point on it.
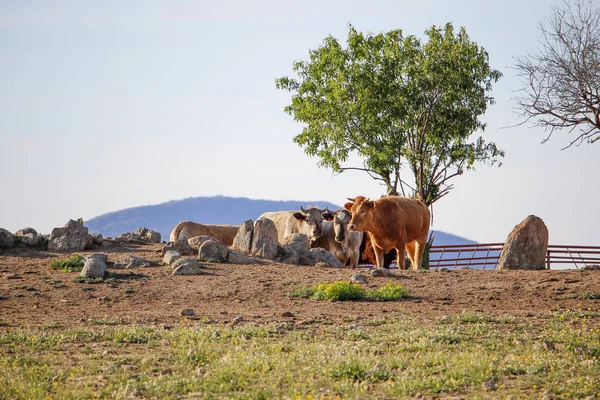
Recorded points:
(486, 255)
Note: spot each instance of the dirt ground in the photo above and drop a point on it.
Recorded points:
(152, 296)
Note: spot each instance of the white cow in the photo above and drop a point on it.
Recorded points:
(308, 222)
(338, 240)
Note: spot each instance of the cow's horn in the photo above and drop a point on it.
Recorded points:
(302, 209)
(352, 200)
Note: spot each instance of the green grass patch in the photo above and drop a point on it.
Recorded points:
(72, 264)
(398, 359)
(390, 292)
(475, 318)
(346, 291)
(52, 325)
(104, 321)
(339, 291)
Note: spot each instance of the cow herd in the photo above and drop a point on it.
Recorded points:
(392, 222)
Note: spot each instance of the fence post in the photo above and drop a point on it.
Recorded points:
(548, 259)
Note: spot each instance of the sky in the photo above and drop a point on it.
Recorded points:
(109, 105)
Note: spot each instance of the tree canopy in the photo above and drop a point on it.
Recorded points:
(561, 82)
(408, 109)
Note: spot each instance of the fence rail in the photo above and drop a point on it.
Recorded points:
(487, 255)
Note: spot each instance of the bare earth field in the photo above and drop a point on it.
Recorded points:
(152, 295)
(464, 334)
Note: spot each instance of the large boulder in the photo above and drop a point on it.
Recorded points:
(95, 266)
(287, 255)
(243, 239)
(186, 266)
(196, 241)
(526, 246)
(129, 261)
(264, 239)
(26, 231)
(235, 257)
(181, 246)
(72, 237)
(297, 241)
(213, 251)
(7, 239)
(322, 255)
(29, 237)
(171, 256)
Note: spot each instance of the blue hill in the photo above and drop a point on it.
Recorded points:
(208, 210)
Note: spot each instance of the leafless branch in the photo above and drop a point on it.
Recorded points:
(561, 83)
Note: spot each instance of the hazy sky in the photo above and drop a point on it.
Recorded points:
(106, 105)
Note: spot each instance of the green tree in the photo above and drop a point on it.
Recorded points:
(397, 103)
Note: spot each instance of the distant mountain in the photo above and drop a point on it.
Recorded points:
(208, 210)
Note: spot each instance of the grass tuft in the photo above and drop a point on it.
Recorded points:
(390, 292)
(72, 264)
(346, 291)
(339, 291)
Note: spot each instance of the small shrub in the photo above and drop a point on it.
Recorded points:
(390, 292)
(339, 291)
(591, 296)
(71, 264)
(304, 292)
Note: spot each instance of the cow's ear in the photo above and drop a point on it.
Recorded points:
(348, 206)
(327, 216)
(368, 204)
(300, 216)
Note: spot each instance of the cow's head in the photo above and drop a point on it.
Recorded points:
(360, 208)
(313, 218)
(340, 220)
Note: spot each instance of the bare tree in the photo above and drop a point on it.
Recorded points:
(561, 84)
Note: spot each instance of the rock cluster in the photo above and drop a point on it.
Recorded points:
(260, 239)
(182, 246)
(72, 237)
(139, 236)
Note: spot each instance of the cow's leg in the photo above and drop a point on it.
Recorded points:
(378, 256)
(354, 259)
(419, 249)
(410, 251)
(400, 256)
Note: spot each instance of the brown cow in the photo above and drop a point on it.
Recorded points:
(189, 229)
(392, 222)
